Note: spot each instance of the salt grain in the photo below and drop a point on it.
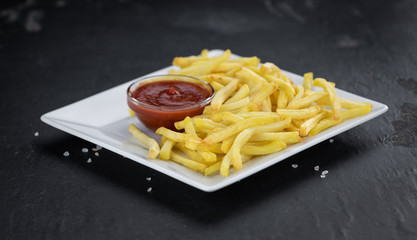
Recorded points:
(149, 189)
(322, 176)
(96, 153)
(148, 178)
(89, 160)
(316, 168)
(84, 150)
(324, 172)
(66, 154)
(294, 166)
(36, 134)
(331, 140)
(98, 147)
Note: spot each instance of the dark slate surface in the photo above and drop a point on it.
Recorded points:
(53, 53)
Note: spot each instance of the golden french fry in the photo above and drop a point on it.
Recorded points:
(282, 100)
(192, 154)
(233, 155)
(186, 61)
(299, 113)
(238, 127)
(292, 128)
(180, 124)
(267, 105)
(204, 53)
(228, 107)
(240, 94)
(264, 149)
(221, 95)
(307, 100)
(324, 124)
(228, 117)
(358, 111)
(285, 78)
(350, 104)
(247, 61)
(216, 167)
(273, 127)
(175, 136)
(216, 85)
(311, 123)
(270, 68)
(308, 81)
(196, 166)
(206, 67)
(254, 69)
(227, 67)
(131, 113)
(299, 95)
(281, 84)
(213, 168)
(220, 78)
(257, 114)
(297, 122)
(345, 103)
(227, 143)
(249, 77)
(208, 156)
(189, 127)
(215, 148)
(334, 101)
(259, 96)
(206, 125)
(287, 137)
(151, 143)
(166, 149)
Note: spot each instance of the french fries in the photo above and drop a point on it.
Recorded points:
(151, 143)
(256, 110)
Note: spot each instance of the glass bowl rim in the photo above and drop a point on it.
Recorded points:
(170, 109)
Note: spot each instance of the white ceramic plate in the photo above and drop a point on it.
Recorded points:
(103, 119)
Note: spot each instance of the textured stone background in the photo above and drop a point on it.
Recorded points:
(53, 53)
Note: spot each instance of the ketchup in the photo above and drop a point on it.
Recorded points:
(171, 94)
(162, 103)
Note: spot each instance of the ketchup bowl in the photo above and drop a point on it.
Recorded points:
(162, 100)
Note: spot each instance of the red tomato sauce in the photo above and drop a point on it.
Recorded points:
(170, 94)
(169, 101)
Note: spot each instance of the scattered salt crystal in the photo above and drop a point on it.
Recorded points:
(66, 154)
(149, 189)
(331, 140)
(324, 172)
(148, 178)
(89, 160)
(322, 176)
(294, 166)
(316, 168)
(96, 153)
(36, 134)
(84, 150)
(98, 147)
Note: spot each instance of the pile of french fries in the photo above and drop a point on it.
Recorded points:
(256, 110)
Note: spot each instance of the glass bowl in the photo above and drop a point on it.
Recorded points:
(162, 100)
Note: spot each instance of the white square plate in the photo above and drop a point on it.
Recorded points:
(103, 119)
